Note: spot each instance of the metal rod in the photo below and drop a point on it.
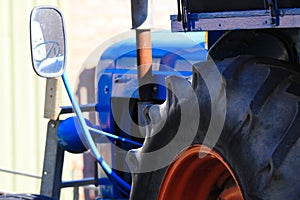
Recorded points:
(85, 181)
(114, 136)
(144, 62)
(20, 173)
(84, 108)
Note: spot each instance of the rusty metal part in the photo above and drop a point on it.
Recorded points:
(144, 62)
(200, 173)
(231, 193)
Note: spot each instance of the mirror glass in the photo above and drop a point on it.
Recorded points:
(47, 42)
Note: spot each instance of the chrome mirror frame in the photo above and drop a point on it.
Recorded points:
(54, 48)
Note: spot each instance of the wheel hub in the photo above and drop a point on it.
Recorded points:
(199, 173)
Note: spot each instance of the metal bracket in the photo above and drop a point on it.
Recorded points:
(184, 18)
(178, 11)
(53, 163)
(272, 5)
(51, 109)
(141, 14)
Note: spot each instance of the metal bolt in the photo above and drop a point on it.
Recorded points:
(106, 89)
(45, 172)
(155, 89)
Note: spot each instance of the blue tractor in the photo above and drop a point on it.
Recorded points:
(184, 119)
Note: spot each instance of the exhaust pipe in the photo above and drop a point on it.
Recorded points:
(141, 11)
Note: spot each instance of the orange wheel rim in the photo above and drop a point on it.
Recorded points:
(199, 173)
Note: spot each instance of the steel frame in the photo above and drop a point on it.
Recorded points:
(236, 20)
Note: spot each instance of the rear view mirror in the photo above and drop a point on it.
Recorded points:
(47, 37)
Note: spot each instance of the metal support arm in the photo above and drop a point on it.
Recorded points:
(53, 163)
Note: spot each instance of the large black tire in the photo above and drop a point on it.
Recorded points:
(260, 137)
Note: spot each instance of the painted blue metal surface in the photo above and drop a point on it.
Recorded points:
(173, 54)
(118, 182)
(162, 42)
(69, 135)
(119, 80)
